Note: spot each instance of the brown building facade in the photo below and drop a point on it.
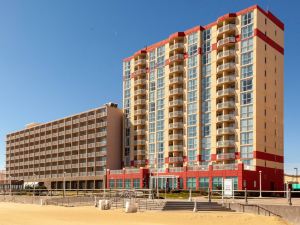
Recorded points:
(77, 149)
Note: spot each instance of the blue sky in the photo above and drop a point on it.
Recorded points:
(61, 57)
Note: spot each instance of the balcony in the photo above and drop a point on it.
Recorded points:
(225, 130)
(226, 79)
(176, 91)
(139, 92)
(140, 102)
(225, 156)
(175, 148)
(176, 46)
(226, 92)
(225, 143)
(226, 117)
(140, 122)
(177, 57)
(175, 69)
(176, 125)
(178, 102)
(177, 159)
(139, 142)
(226, 41)
(140, 162)
(226, 28)
(231, 166)
(140, 82)
(175, 137)
(225, 54)
(139, 132)
(140, 112)
(176, 169)
(140, 71)
(139, 62)
(175, 114)
(225, 67)
(226, 105)
(140, 152)
(198, 168)
(176, 80)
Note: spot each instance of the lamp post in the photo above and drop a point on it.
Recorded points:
(260, 184)
(296, 169)
(34, 179)
(10, 185)
(64, 184)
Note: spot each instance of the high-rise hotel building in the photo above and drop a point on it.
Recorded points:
(207, 103)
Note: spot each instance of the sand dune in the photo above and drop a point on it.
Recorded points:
(22, 214)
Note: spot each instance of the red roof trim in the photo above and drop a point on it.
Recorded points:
(268, 14)
(269, 41)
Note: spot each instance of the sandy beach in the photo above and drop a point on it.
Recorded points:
(23, 214)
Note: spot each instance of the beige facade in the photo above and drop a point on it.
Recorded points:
(78, 149)
(211, 95)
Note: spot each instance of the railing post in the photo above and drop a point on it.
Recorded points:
(246, 196)
(209, 195)
(290, 197)
(190, 195)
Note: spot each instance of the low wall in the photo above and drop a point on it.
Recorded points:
(22, 199)
(288, 213)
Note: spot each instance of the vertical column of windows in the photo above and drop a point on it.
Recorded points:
(151, 108)
(126, 106)
(246, 122)
(206, 97)
(160, 107)
(192, 98)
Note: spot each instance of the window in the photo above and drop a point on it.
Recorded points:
(246, 85)
(192, 119)
(152, 86)
(192, 131)
(112, 183)
(206, 70)
(247, 45)
(206, 35)
(160, 136)
(205, 155)
(192, 61)
(192, 50)
(127, 183)
(246, 58)
(192, 73)
(217, 183)
(136, 183)
(160, 114)
(246, 152)
(160, 82)
(206, 118)
(247, 138)
(247, 71)
(192, 85)
(192, 143)
(160, 72)
(152, 148)
(160, 125)
(235, 182)
(206, 47)
(204, 183)
(119, 183)
(193, 38)
(192, 96)
(246, 98)
(206, 58)
(192, 108)
(247, 18)
(191, 183)
(206, 130)
(152, 107)
(247, 31)
(246, 124)
(151, 138)
(192, 155)
(151, 127)
(246, 111)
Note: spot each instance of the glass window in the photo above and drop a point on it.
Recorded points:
(152, 55)
(247, 45)
(247, 71)
(160, 114)
(247, 138)
(206, 47)
(193, 38)
(192, 155)
(119, 183)
(217, 183)
(152, 86)
(192, 131)
(206, 70)
(151, 148)
(205, 155)
(192, 96)
(160, 82)
(247, 31)
(151, 138)
(246, 98)
(192, 108)
(152, 107)
(206, 58)
(192, 119)
(246, 85)
(206, 130)
(192, 50)
(152, 116)
(206, 118)
(160, 72)
(191, 183)
(204, 183)
(151, 127)
(127, 183)
(247, 58)
(192, 143)
(160, 136)
(111, 183)
(160, 125)
(136, 183)
(246, 124)
(247, 18)
(192, 61)
(192, 85)
(192, 73)
(246, 152)
(206, 106)
(246, 111)
(206, 35)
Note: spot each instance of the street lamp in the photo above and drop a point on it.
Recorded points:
(34, 179)
(64, 184)
(296, 169)
(260, 184)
